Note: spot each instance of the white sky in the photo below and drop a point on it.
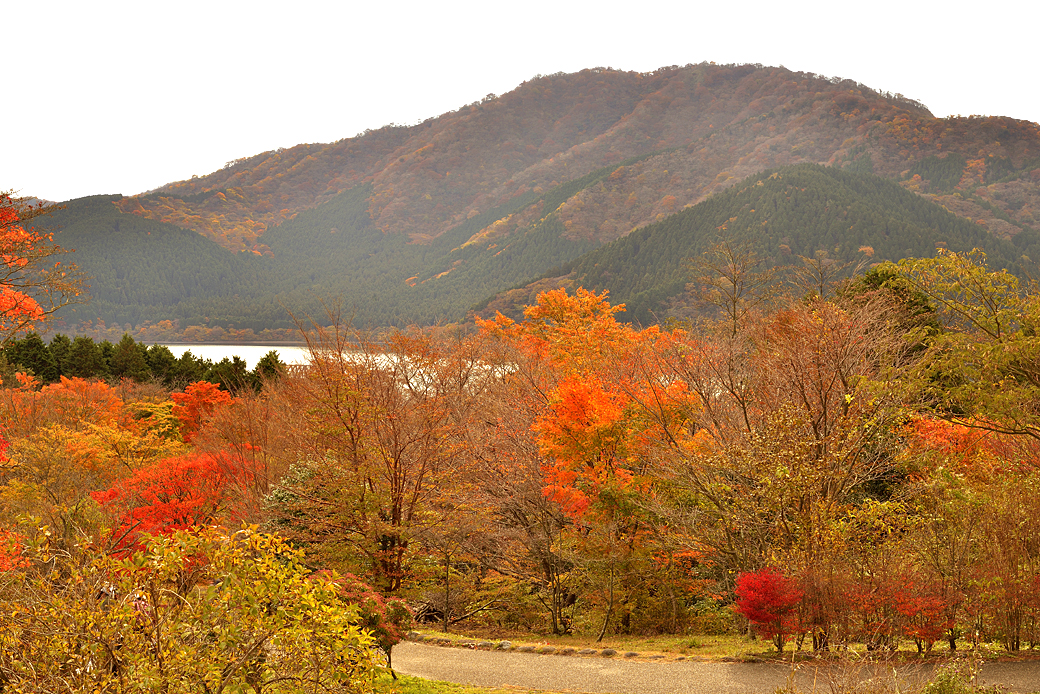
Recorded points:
(122, 97)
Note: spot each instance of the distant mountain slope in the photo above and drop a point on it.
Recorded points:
(718, 123)
(140, 269)
(418, 223)
(792, 211)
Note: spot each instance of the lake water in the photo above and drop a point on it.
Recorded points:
(251, 354)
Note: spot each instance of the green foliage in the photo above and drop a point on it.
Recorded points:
(83, 358)
(943, 174)
(984, 366)
(144, 269)
(130, 360)
(33, 356)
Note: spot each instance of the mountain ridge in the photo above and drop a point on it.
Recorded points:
(503, 190)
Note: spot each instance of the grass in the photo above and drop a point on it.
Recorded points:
(728, 646)
(708, 647)
(415, 685)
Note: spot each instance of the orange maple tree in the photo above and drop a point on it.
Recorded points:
(174, 494)
(199, 401)
(32, 284)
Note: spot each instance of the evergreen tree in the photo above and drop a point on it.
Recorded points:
(86, 359)
(61, 349)
(129, 360)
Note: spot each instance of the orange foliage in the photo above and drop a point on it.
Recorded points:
(72, 402)
(581, 433)
(31, 285)
(973, 452)
(199, 401)
(602, 403)
(77, 399)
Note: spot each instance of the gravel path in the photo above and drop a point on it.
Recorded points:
(617, 675)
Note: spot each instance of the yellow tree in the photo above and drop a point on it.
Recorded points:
(197, 611)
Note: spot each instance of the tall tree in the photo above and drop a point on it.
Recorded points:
(375, 446)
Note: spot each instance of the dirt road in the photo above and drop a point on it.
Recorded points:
(616, 675)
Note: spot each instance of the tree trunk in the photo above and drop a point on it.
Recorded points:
(610, 605)
(447, 590)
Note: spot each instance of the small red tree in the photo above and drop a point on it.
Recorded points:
(925, 615)
(769, 600)
(199, 401)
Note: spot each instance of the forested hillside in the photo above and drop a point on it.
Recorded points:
(418, 223)
(785, 214)
(140, 269)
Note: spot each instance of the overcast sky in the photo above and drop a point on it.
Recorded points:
(122, 97)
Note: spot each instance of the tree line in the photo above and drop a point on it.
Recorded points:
(82, 357)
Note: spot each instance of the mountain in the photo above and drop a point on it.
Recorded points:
(419, 223)
(801, 210)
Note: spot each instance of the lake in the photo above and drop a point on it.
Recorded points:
(251, 354)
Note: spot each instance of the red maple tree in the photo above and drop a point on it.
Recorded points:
(769, 600)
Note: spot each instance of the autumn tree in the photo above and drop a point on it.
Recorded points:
(199, 402)
(983, 367)
(385, 620)
(174, 494)
(796, 426)
(730, 279)
(33, 283)
(768, 599)
(249, 437)
(74, 437)
(526, 542)
(591, 431)
(374, 446)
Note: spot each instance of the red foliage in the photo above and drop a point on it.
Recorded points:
(10, 551)
(174, 494)
(925, 615)
(769, 600)
(199, 401)
(386, 619)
